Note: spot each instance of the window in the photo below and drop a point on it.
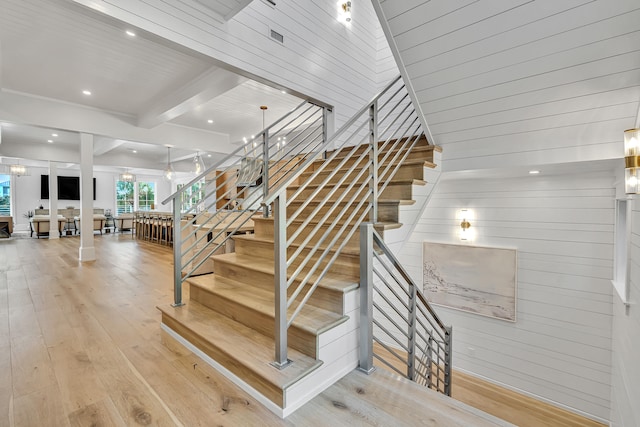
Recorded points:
(621, 252)
(124, 197)
(135, 196)
(146, 196)
(192, 196)
(5, 195)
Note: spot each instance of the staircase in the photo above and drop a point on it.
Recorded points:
(230, 316)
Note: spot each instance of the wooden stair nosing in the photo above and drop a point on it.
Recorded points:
(265, 266)
(380, 226)
(254, 308)
(406, 181)
(195, 323)
(350, 251)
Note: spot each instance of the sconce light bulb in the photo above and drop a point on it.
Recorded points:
(633, 181)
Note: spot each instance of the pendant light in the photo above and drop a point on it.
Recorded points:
(198, 164)
(168, 172)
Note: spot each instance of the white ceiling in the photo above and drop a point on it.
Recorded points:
(526, 82)
(55, 49)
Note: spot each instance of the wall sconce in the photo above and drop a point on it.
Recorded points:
(632, 161)
(344, 11)
(465, 216)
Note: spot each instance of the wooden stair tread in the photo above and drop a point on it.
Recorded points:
(330, 201)
(392, 182)
(350, 251)
(242, 344)
(425, 163)
(380, 225)
(331, 280)
(311, 319)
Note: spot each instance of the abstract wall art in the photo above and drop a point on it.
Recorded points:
(475, 279)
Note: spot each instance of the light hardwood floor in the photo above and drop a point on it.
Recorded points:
(81, 345)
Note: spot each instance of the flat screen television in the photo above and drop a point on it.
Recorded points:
(68, 187)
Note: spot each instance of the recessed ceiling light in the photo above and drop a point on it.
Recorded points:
(208, 155)
(209, 121)
(130, 33)
(50, 141)
(534, 172)
(134, 151)
(86, 92)
(54, 135)
(284, 91)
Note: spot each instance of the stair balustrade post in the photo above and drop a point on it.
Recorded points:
(373, 160)
(448, 353)
(411, 345)
(366, 299)
(265, 171)
(280, 282)
(177, 254)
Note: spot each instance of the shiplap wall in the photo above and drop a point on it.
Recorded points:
(560, 347)
(625, 395)
(320, 58)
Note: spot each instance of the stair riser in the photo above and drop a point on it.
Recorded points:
(386, 213)
(422, 142)
(322, 297)
(415, 171)
(382, 161)
(269, 390)
(346, 264)
(392, 191)
(265, 230)
(297, 338)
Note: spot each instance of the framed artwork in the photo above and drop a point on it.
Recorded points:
(479, 280)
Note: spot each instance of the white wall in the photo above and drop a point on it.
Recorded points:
(625, 394)
(560, 346)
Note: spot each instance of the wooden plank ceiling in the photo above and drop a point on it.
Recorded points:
(520, 81)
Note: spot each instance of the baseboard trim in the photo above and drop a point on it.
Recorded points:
(533, 396)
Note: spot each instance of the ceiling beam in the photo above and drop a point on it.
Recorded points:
(104, 145)
(207, 86)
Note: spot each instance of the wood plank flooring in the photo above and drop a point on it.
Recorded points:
(81, 345)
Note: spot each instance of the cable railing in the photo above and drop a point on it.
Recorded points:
(399, 327)
(317, 219)
(235, 187)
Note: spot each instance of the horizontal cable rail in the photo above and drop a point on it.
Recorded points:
(233, 188)
(322, 203)
(410, 339)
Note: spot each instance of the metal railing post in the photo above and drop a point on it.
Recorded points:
(265, 171)
(411, 345)
(448, 348)
(177, 254)
(373, 158)
(366, 299)
(280, 254)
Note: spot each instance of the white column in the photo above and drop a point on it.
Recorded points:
(87, 250)
(53, 200)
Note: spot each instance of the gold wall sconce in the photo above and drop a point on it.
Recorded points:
(465, 216)
(632, 161)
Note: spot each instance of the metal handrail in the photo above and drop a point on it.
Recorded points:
(401, 314)
(197, 233)
(338, 193)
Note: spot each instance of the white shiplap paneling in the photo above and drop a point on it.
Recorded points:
(559, 349)
(626, 344)
(320, 57)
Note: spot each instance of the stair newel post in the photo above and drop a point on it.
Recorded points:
(448, 352)
(265, 171)
(412, 320)
(280, 300)
(177, 255)
(366, 299)
(373, 160)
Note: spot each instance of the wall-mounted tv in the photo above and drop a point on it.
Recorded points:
(68, 187)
